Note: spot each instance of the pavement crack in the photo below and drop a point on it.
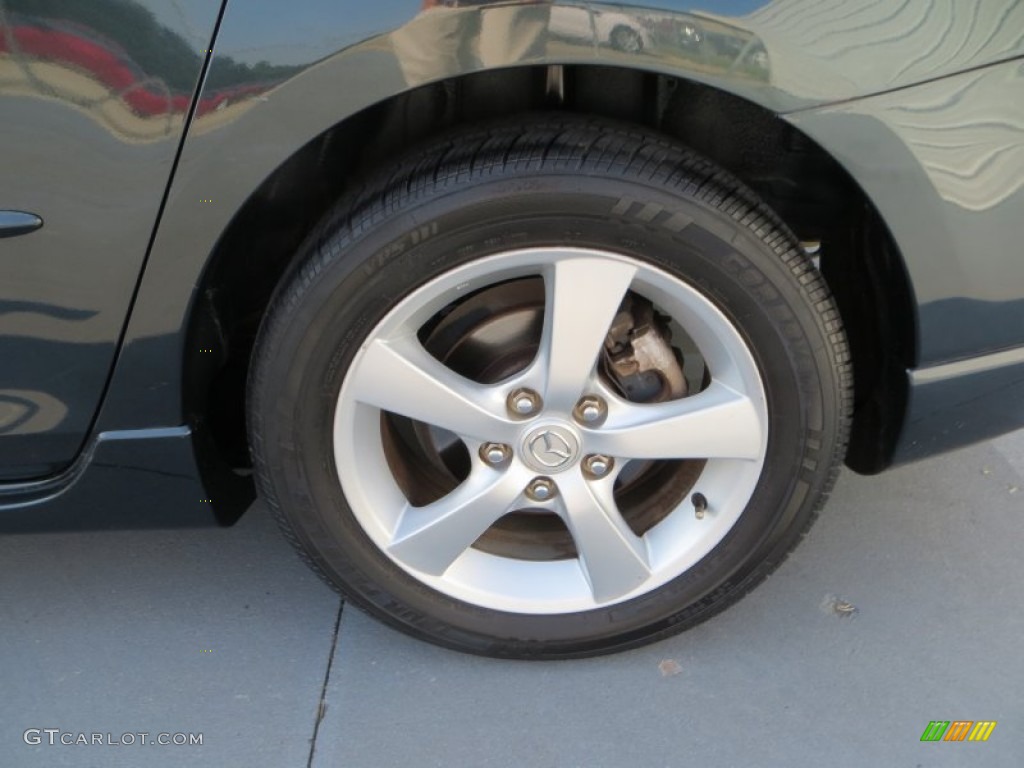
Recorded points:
(321, 709)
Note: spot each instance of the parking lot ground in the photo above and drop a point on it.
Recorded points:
(902, 606)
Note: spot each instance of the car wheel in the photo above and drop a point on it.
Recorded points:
(548, 389)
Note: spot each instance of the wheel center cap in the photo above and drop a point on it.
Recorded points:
(550, 448)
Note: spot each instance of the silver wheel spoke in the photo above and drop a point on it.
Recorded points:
(716, 423)
(613, 558)
(456, 545)
(583, 295)
(432, 537)
(402, 377)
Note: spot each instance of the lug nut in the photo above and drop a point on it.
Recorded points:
(541, 489)
(523, 402)
(590, 410)
(495, 453)
(597, 465)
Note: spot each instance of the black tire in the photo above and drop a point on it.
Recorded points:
(544, 181)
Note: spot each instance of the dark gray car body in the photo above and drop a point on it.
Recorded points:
(152, 142)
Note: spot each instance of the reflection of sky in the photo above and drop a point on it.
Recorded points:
(717, 7)
(316, 28)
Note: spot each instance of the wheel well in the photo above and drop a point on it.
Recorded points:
(811, 193)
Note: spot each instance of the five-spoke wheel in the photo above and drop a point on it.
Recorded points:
(552, 438)
(548, 388)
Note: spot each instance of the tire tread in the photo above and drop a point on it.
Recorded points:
(583, 146)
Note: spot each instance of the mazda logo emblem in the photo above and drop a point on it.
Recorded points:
(550, 449)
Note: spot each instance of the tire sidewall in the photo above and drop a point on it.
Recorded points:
(359, 269)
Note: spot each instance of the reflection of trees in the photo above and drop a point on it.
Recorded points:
(132, 31)
(112, 59)
(156, 50)
(229, 72)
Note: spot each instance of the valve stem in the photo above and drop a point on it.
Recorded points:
(700, 505)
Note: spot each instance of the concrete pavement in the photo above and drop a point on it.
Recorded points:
(225, 633)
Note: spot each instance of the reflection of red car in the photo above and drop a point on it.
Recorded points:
(146, 95)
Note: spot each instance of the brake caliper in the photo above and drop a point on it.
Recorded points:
(638, 356)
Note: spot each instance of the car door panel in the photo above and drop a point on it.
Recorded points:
(93, 104)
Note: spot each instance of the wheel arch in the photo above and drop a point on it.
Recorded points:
(813, 195)
(258, 169)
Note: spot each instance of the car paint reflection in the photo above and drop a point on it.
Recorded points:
(93, 99)
(64, 57)
(453, 38)
(946, 171)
